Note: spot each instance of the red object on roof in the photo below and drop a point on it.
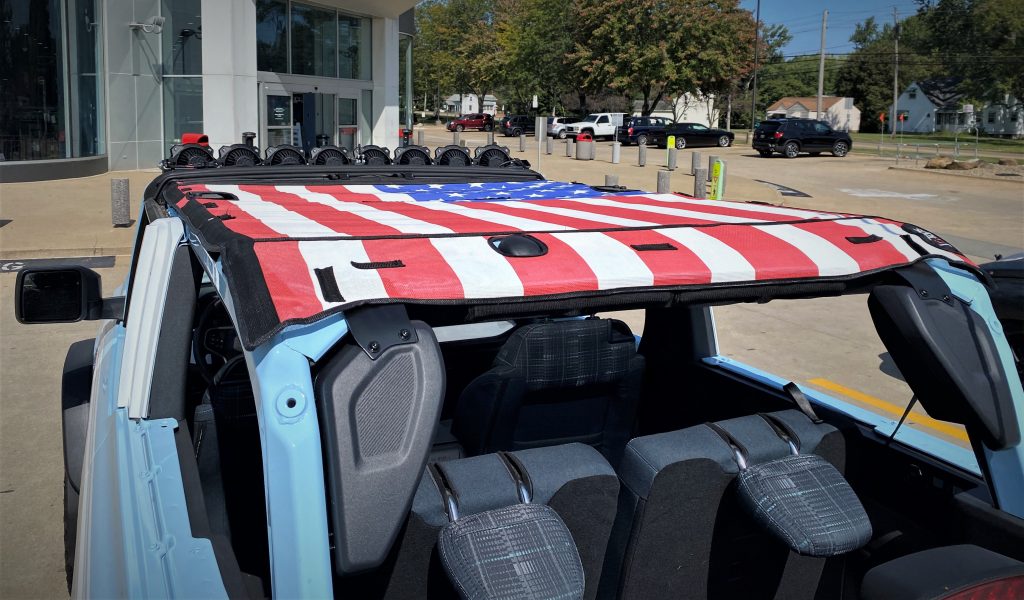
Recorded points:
(195, 138)
(307, 251)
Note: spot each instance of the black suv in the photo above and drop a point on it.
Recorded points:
(516, 125)
(642, 130)
(793, 136)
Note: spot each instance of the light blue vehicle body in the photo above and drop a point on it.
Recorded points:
(134, 531)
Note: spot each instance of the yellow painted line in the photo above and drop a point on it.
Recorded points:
(918, 419)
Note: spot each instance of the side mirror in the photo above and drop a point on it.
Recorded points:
(61, 295)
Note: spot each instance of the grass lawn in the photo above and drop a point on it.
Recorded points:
(945, 140)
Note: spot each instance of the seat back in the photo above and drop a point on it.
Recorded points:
(572, 479)
(681, 530)
(556, 382)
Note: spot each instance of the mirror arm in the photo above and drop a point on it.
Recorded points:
(106, 308)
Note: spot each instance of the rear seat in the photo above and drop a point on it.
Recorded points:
(573, 479)
(681, 531)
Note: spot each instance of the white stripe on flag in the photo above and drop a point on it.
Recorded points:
(761, 208)
(482, 271)
(491, 216)
(273, 215)
(665, 210)
(354, 284)
(398, 221)
(385, 196)
(578, 214)
(830, 259)
(889, 233)
(615, 264)
(726, 263)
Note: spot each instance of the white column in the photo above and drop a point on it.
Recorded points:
(385, 82)
(230, 96)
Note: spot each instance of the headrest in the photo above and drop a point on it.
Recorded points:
(519, 552)
(805, 502)
(570, 353)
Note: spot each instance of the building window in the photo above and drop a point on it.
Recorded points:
(1014, 114)
(354, 48)
(52, 101)
(272, 35)
(183, 107)
(912, 93)
(183, 68)
(314, 41)
(991, 116)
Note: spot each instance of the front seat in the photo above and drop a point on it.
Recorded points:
(554, 383)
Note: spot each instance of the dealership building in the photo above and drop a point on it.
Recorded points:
(89, 86)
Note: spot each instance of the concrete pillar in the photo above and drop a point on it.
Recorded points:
(386, 120)
(455, 137)
(672, 158)
(120, 203)
(700, 183)
(711, 164)
(616, 152)
(611, 180)
(664, 182)
(522, 142)
(230, 105)
(694, 162)
(490, 137)
(642, 155)
(419, 137)
(548, 145)
(568, 147)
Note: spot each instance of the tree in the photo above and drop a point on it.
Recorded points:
(653, 49)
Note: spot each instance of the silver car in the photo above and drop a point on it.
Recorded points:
(556, 127)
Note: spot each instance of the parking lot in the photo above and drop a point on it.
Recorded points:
(808, 341)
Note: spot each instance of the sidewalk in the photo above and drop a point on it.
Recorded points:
(71, 217)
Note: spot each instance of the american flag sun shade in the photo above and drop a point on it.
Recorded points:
(296, 253)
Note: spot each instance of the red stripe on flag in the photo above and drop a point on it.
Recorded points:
(340, 221)
(560, 270)
(536, 215)
(456, 222)
(771, 257)
(287, 276)
(426, 274)
(240, 221)
(871, 255)
(670, 267)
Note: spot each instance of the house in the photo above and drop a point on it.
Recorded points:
(467, 103)
(687, 108)
(939, 105)
(839, 112)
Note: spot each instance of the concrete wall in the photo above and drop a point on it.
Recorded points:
(230, 96)
(385, 82)
(133, 90)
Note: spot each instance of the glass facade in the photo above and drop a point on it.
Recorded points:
(50, 106)
(183, 68)
(302, 39)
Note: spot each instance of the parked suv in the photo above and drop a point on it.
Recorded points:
(516, 125)
(480, 121)
(790, 137)
(642, 130)
(556, 126)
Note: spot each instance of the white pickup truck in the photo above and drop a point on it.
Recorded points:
(597, 125)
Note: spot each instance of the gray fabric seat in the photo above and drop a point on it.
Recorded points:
(682, 530)
(554, 383)
(574, 480)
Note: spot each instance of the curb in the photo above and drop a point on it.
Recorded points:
(116, 251)
(950, 173)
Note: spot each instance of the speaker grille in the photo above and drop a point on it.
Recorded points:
(383, 410)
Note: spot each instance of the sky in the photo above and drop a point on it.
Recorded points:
(803, 19)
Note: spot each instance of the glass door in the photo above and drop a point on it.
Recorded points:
(277, 120)
(348, 124)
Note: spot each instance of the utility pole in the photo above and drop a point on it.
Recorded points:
(821, 63)
(895, 76)
(757, 47)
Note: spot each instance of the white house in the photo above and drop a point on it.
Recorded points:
(839, 112)
(939, 105)
(688, 108)
(469, 103)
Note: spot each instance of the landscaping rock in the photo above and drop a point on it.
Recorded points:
(1009, 162)
(966, 165)
(939, 162)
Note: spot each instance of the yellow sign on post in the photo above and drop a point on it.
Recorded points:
(669, 144)
(717, 180)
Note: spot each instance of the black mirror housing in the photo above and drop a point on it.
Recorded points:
(64, 294)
